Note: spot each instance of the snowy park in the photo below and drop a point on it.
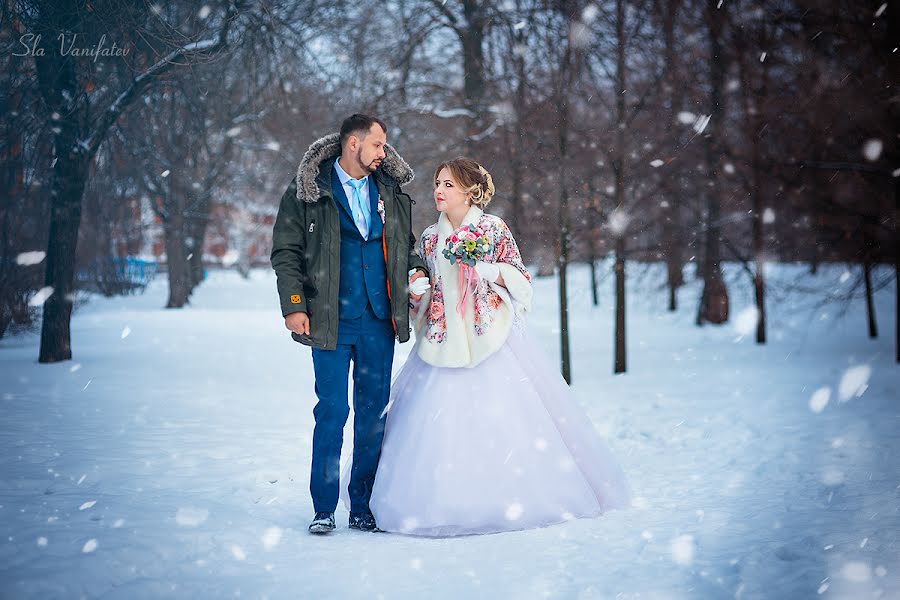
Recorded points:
(606, 292)
(170, 457)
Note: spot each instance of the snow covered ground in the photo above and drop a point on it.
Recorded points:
(170, 457)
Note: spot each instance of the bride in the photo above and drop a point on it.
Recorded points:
(482, 433)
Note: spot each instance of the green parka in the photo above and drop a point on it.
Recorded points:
(306, 243)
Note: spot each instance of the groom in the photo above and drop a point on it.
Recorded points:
(343, 252)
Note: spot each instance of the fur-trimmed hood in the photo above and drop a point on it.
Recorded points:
(329, 147)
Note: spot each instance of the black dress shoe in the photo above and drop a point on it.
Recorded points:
(323, 523)
(363, 522)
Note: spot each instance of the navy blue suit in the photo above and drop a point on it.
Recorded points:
(366, 337)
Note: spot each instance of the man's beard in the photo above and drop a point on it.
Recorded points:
(369, 168)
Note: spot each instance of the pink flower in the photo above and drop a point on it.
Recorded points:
(436, 311)
(471, 236)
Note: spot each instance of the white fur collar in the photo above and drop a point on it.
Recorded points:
(329, 147)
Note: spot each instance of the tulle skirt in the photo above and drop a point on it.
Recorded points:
(501, 446)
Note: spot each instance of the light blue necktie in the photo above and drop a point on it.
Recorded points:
(360, 214)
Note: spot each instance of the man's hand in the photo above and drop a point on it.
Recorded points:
(416, 274)
(298, 322)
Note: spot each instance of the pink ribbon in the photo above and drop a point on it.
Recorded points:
(465, 285)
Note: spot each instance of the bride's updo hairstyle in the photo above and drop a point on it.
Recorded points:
(473, 178)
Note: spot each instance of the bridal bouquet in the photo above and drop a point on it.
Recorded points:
(467, 246)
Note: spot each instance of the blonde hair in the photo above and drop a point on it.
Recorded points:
(473, 178)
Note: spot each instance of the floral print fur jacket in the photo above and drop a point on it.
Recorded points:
(443, 337)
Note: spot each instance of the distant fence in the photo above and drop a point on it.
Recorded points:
(112, 276)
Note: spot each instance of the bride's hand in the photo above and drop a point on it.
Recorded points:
(489, 271)
(416, 290)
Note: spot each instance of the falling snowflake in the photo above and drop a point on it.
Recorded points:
(702, 122)
(819, 400)
(854, 382)
(872, 149)
(590, 13)
(618, 222)
(25, 259)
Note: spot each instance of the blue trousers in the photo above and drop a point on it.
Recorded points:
(369, 342)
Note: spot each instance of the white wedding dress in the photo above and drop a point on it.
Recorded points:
(497, 447)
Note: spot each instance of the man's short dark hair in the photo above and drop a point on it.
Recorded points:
(359, 125)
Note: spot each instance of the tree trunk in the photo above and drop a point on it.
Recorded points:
(619, 168)
(671, 221)
(714, 299)
(176, 262)
(894, 155)
(516, 146)
(620, 366)
(564, 227)
(870, 307)
(12, 173)
(897, 266)
(197, 227)
(472, 38)
(759, 282)
(69, 179)
(59, 88)
(564, 309)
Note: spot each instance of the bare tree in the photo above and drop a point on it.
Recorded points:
(81, 113)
